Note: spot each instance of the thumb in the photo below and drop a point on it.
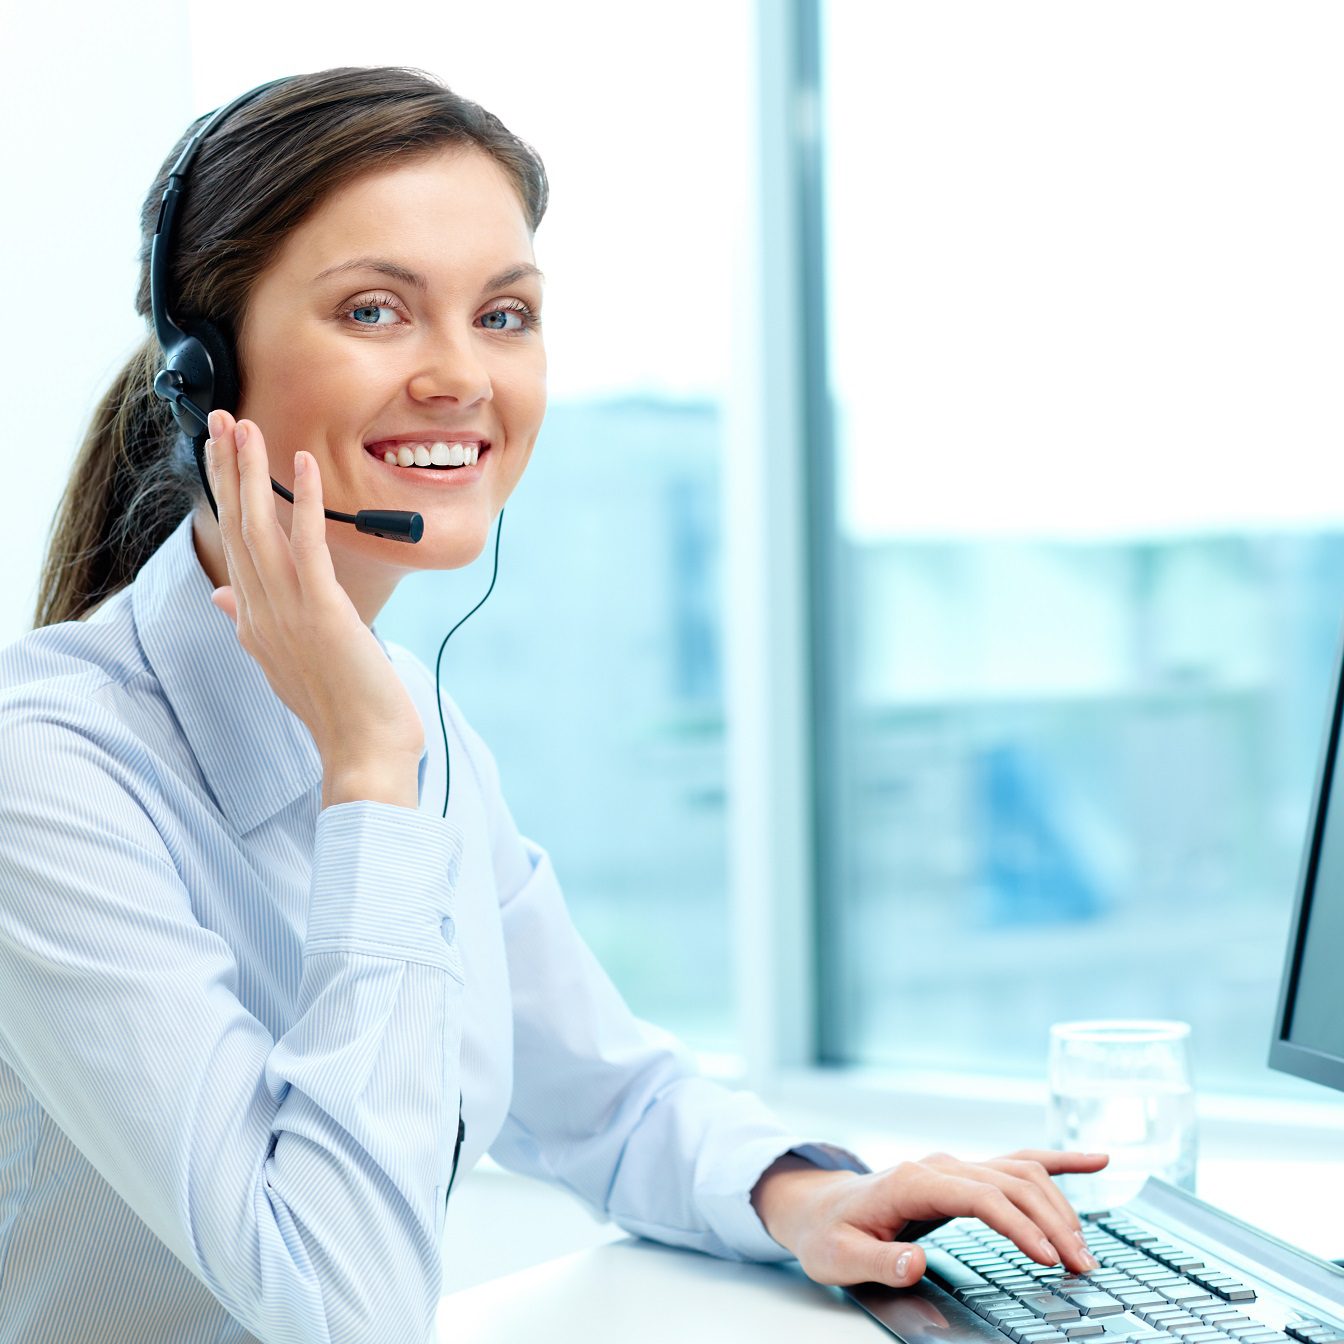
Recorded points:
(222, 598)
(903, 1264)
(857, 1257)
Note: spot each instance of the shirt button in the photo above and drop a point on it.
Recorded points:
(448, 928)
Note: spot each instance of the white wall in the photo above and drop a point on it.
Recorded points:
(91, 102)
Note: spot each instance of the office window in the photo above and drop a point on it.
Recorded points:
(1083, 294)
(593, 672)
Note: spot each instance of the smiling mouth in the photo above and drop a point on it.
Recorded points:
(429, 456)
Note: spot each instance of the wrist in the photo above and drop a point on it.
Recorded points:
(785, 1193)
(393, 782)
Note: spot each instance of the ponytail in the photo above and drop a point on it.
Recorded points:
(130, 488)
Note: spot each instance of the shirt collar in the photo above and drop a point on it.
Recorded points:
(256, 754)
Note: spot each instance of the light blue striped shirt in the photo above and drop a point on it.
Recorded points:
(235, 1025)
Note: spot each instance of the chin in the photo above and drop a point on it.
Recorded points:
(460, 542)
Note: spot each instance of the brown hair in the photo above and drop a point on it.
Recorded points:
(257, 175)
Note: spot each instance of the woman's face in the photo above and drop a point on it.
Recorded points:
(401, 311)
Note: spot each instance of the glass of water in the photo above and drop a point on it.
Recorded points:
(1123, 1088)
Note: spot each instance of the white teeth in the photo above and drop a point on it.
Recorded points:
(433, 455)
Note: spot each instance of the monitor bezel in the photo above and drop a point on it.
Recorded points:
(1313, 1065)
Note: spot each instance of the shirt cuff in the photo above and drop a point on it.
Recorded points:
(384, 884)
(736, 1219)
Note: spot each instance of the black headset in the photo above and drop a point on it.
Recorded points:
(199, 369)
(200, 372)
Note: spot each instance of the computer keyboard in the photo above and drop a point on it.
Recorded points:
(1149, 1289)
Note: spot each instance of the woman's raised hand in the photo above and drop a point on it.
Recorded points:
(845, 1228)
(294, 617)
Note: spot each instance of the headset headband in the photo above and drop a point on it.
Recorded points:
(188, 367)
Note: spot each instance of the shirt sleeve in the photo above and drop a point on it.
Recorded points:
(608, 1105)
(301, 1179)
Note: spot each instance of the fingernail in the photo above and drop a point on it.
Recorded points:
(903, 1264)
(1051, 1252)
(240, 434)
(1091, 1260)
(298, 465)
(216, 422)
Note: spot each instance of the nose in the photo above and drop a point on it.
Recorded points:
(451, 367)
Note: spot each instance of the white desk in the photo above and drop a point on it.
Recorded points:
(637, 1290)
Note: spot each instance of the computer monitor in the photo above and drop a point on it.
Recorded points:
(1309, 1025)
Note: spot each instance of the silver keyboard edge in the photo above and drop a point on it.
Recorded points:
(1292, 1272)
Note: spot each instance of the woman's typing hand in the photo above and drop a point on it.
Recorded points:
(297, 621)
(843, 1227)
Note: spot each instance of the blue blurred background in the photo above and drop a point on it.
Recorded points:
(916, 623)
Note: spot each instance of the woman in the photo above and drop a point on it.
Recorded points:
(253, 977)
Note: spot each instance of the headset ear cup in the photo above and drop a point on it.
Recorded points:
(219, 346)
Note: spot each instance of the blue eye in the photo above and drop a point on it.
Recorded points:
(367, 314)
(375, 309)
(527, 319)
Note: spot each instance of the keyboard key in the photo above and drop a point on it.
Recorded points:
(1186, 1294)
(1095, 1304)
(951, 1273)
(1159, 1316)
(1314, 1332)
(1049, 1307)
(1142, 1297)
(1082, 1329)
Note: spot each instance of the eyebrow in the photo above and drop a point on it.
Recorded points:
(524, 270)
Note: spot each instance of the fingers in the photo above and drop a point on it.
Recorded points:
(222, 465)
(943, 1186)
(1029, 1186)
(260, 561)
(259, 527)
(308, 530)
(1056, 1163)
